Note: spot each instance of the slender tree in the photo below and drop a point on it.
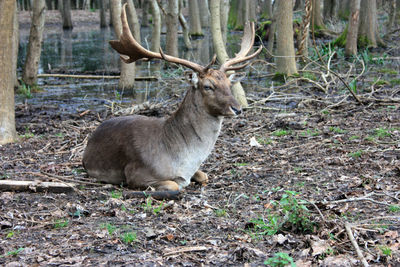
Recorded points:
(224, 12)
(219, 48)
(66, 14)
(352, 32)
(156, 31)
(317, 20)
(32, 61)
(7, 114)
(15, 46)
(204, 13)
(127, 77)
(194, 16)
(102, 11)
(285, 60)
(368, 29)
(185, 27)
(172, 28)
(330, 10)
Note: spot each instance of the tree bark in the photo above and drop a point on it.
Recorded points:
(156, 31)
(102, 11)
(267, 9)
(285, 60)
(219, 48)
(194, 16)
(66, 14)
(133, 20)
(330, 10)
(7, 114)
(172, 28)
(317, 20)
(204, 13)
(127, 77)
(224, 12)
(352, 32)
(185, 28)
(15, 46)
(145, 13)
(367, 31)
(32, 61)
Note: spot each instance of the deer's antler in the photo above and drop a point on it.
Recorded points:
(247, 44)
(128, 46)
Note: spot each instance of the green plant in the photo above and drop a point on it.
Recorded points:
(264, 141)
(10, 234)
(60, 223)
(220, 212)
(280, 259)
(25, 90)
(116, 194)
(240, 164)
(337, 130)
(386, 251)
(394, 208)
(279, 133)
(110, 228)
(287, 214)
(27, 133)
(13, 252)
(356, 154)
(309, 75)
(353, 137)
(382, 133)
(148, 206)
(128, 237)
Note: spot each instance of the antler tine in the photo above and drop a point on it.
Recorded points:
(128, 46)
(246, 45)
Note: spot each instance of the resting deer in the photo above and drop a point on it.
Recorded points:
(166, 153)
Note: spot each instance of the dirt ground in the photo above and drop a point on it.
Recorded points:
(281, 181)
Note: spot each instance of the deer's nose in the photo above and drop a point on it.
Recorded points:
(237, 111)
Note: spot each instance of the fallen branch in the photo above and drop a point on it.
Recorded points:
(56, 75)
(35, 186)
(355, 245)
(159, 195)
(186, 249)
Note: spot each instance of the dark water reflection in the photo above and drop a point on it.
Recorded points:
(89, 52)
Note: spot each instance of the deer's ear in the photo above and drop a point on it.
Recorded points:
(192, 78)
(237, 77)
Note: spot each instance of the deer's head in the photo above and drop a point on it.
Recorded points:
(214, 85)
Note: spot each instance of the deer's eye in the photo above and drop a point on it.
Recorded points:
(208, 88)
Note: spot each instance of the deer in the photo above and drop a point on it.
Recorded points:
(165, 153)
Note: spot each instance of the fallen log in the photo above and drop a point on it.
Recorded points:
(36, 186)
(55, 75)
(159, 195)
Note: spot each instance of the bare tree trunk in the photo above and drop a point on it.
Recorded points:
(127, 77)
(305, 29)
(185, 28)
(156, 31)
(102, 10)
(32, 61)
(252, 10)
(352, 31)
(267, 9)
(330, 10)
(172, 28)
(133, 20)
(317, 20)
(204, 13)
(194, 15)
(219, 48)
(367, 31)
(299, 4)
(285, 60)
(224, 12)
(15, 46)
(392, 14)
(145, 13)
(66, 14)
(7, 114)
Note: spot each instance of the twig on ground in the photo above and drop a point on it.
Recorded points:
(355, 245)
(186, 249)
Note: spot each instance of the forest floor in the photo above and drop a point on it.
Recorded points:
(305, 181)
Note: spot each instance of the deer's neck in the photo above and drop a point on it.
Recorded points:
(191, 127)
